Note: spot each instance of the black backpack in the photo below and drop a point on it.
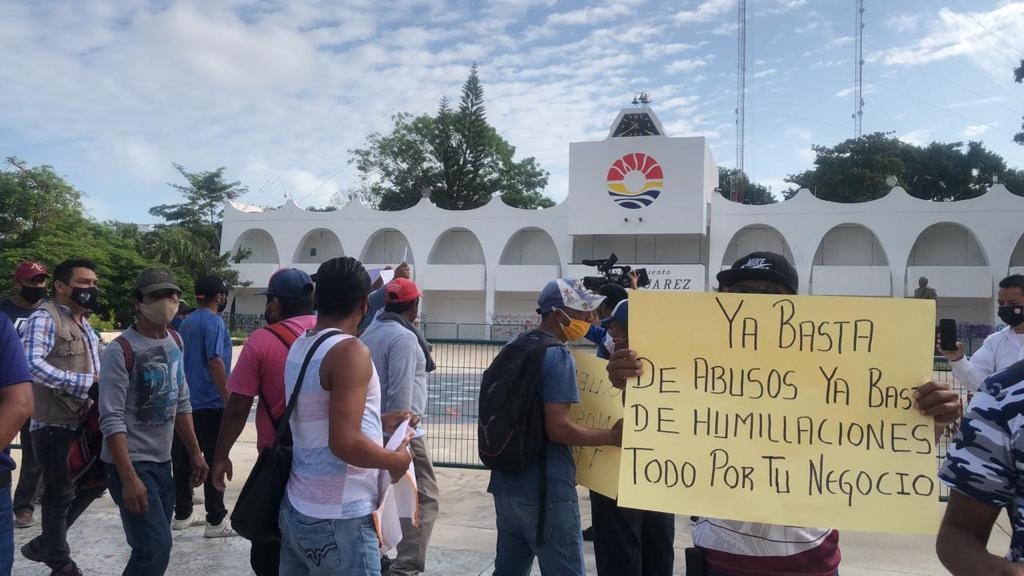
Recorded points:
(510, 431)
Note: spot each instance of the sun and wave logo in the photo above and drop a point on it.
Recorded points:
(635, 180)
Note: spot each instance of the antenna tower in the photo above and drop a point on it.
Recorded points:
(858, 71)
(741, 96)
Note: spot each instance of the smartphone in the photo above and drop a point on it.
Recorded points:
(947, 334)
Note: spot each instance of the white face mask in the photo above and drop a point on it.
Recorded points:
(609, 343)
(160, 312)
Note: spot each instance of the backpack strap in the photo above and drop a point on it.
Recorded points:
(283, 427)
(129, 356)
(177, 338)
(283, 332)
(287, 336)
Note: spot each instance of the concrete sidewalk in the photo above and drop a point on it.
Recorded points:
(462, 544)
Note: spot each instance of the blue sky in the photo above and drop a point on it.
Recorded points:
(110, 93)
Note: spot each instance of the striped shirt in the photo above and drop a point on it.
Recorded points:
(39, 339)
(322, 485)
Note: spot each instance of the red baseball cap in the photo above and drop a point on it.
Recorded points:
(401, 290)
(29, 269)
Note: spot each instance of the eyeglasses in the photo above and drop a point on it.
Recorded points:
(750, 290)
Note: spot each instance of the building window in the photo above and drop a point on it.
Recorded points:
(312, 251)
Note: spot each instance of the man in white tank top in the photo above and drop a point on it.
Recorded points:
(326, 517)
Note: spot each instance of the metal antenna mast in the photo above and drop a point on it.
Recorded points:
(741, 93)
(858, 71)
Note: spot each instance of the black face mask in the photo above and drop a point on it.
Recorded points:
(85, 297)
(1012, 315)
(33, 294)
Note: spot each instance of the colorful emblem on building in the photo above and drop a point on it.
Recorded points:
(635, 180)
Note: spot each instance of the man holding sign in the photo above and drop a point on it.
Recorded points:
(746, 548)
(537, 510)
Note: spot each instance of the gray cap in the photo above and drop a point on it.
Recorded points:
(154, 279)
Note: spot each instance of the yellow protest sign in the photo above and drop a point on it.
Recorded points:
(600, 406)
(781, 409)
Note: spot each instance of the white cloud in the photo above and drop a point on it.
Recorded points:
(841, 41)
(975, 131)
(705, 12)
(868, 89)
(918, 137)
(685, 65)
(590, 15)
(976, 102)
(977, 36)
(764, 73)
(904, 22)
(799, 134)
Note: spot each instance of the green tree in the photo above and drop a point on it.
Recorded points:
(856, 170)
(189, 240)
(1018, 76)
(454, 156)
(752, 193)
(33, 201)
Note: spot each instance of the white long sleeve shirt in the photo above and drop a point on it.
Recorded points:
(997, 352)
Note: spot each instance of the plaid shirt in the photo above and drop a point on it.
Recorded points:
(38, 340)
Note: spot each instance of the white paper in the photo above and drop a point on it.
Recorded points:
(387, 276)
(399, 500)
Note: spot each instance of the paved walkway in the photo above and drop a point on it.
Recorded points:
(462, 545)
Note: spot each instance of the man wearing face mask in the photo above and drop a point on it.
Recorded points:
(999, 350)
(260, 372)
(207, 367)
(29, 292)
(144, 400)
(565, 306)
(63, 357)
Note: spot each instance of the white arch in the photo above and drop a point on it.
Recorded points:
(947, 244)
(531, 247)
(756, 238)
(261, 246)
(387, 246)
(850, 244)
(317, 246)
(456, 246)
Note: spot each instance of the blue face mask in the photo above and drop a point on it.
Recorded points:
(609, 343)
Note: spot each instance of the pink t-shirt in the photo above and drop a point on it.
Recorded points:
(260, 372)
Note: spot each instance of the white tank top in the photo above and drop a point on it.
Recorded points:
(322, 485)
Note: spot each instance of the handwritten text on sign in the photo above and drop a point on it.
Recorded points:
(781, 409)
(600, 406)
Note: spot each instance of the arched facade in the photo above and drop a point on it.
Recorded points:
(260, 245)
(387, 246)
(318, 245)
(846, 248)
(754, 238)
(652, 201)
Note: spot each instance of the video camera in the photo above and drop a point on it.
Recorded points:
(613, 274)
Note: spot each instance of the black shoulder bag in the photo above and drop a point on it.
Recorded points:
(256, 510)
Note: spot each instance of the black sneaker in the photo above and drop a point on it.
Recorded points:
(32, 553)
(588, 534)
(69, 569)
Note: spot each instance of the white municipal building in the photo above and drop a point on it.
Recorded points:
(649, 198)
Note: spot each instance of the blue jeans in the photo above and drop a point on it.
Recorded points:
(562, 551)
(6, 528)
(149, 534)
(325, 547)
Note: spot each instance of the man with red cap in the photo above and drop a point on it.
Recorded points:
(401, 356)
(29, 291)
